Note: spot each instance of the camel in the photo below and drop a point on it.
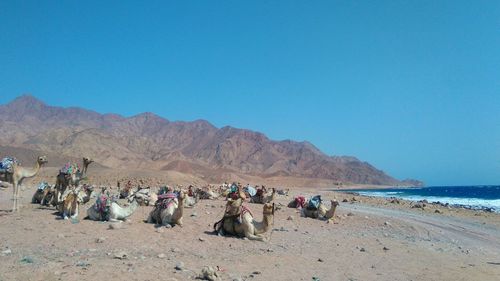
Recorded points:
(144, 196)
(264, 198)
(239, 221)
(190, 201)
(87, 189)
(207, 193)
(43, 194)
(73, 178)
(168, 210)
(70, 205)
(16, 174)
(321, 212)
(105, 210)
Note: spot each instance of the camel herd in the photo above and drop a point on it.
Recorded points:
(68, 194)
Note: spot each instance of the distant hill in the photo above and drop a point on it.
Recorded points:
(147, 141)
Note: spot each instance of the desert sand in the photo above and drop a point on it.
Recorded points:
(370, 239)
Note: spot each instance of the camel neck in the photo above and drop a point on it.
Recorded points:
(30, 172)
(266, 221)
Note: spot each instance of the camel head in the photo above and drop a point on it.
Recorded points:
(88, 189)
(132, 196)
(42, 160)
(87, 160)
(335, 203)
(233, 207)
(182, 195)
(268, 209)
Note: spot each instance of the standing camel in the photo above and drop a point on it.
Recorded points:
(16, 174)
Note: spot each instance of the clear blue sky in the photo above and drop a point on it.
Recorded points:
(412, 87)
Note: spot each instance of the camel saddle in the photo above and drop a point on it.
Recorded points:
(69, 168)
(7, 164)
(236, 218)
(102, 205)
(42, 186)
(314, 203)
(166, 199)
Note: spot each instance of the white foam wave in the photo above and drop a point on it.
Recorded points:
(472, 202)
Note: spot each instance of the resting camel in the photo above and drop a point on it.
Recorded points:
(17, 174)
(321, 211)
(190, 201)
(71, 203)
(43, 194)
(64, 180)
(104, 210)
(239, 221)
(168, 210)
(144, 196)
(207, 193)
(264, 198)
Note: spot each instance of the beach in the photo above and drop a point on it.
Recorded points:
(370, 239)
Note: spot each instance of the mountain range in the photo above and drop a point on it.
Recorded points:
(149, 142)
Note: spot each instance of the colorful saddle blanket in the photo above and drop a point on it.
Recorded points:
(166, 199)
(102, 204)
(69, 168)
(251, 191)
(314, 202)
(42, 186)
(7, 163)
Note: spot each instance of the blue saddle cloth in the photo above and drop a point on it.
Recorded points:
(314, 202)
(7, 163)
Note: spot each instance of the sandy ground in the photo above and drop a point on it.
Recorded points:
(371, 239)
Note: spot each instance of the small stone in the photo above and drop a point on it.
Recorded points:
(115, 226)
(437, 211)
(175, 250)
(350, 214)
(385, 249)
(159, 230)
(162, 256)
(100, 240)
(120, 255)
(179, 266)
(60, 235)
(168, 226)
(6, 252)
(387, 223)
(244, 238)
(290, 218)
(320, 260)
(201, 239)
(345, 200)
(194, 214)
(362, 250)
(27, 259)
(208, 273)
(82, 264)
(256, 272)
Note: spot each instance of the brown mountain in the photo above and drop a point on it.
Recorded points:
(147, 141)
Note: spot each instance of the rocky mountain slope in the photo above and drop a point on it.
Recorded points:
(147, 141)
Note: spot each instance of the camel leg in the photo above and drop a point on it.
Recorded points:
(254, 237)
(14, 198)
(75, 215)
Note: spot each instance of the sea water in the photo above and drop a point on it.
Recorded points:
(485, 197)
